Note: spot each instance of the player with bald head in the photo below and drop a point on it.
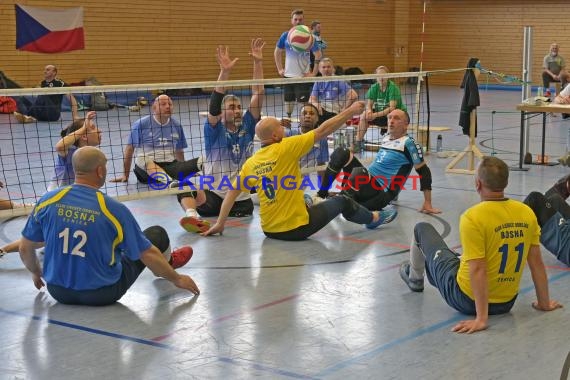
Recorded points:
(376, 186)
(94, 247)
(159, 142)
(274, 172)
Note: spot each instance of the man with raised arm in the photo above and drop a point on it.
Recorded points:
(275, 174)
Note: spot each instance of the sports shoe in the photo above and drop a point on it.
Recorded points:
(414, 285)
(24, 119)
(386, 216)
(180, 256)
(194, 224)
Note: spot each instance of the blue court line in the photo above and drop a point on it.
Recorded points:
(89, 329)
(422, 331)
(275, 371)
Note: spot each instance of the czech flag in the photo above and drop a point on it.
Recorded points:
(43, 30)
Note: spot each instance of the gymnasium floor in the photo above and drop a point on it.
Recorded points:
(331, 307)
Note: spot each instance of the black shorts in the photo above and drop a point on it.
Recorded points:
(297, 92)
(213, 205)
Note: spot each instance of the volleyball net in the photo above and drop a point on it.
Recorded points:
(28, 150)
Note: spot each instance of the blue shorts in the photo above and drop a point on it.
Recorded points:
(442, 265)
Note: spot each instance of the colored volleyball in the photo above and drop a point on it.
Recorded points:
(300, 38)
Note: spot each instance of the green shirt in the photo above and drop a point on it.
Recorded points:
(382, 99)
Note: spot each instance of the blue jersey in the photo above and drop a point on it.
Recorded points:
(297, 64)
(331, 95)
(555, 236)
(85, 234)
(395, 159)
(227, 151)
(318, 155)
(63, 172)
(156, 142)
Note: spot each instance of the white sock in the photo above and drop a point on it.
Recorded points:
(417, 261)
(192, 213)
(167, 254)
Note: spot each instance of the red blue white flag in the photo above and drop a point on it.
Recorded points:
(43, 30)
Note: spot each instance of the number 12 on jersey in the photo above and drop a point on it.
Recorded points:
(79, 240)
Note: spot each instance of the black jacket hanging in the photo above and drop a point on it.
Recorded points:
(470, 98)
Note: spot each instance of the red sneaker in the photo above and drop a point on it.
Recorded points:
(180, 256)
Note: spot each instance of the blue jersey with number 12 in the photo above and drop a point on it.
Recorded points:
(85, 234)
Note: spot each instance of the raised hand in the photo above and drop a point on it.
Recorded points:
(90, 120)
(256, 50)
(357, 107)
(223, 57)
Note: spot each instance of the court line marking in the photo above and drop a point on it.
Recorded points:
(415, 334)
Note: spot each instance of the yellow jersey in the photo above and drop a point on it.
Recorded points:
(502, 233)
(274, 171)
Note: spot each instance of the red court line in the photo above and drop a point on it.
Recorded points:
(558, 267)
(230, 316)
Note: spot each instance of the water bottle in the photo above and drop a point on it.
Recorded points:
(438, 147)
(539, 91)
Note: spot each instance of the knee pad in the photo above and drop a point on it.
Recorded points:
(339, 159)
(190, 194)
(158, 237)
(534, 200)
(358, 177)
(541, 207)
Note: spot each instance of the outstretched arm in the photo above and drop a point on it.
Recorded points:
(73, 102)
(64, 143)
(156, 262)
(30, 260)
(227, 205)
(538, 273)
(425, 187)
(226, 65)
(127, 160)
(258, 90)
(336, 122)
(478, 279)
